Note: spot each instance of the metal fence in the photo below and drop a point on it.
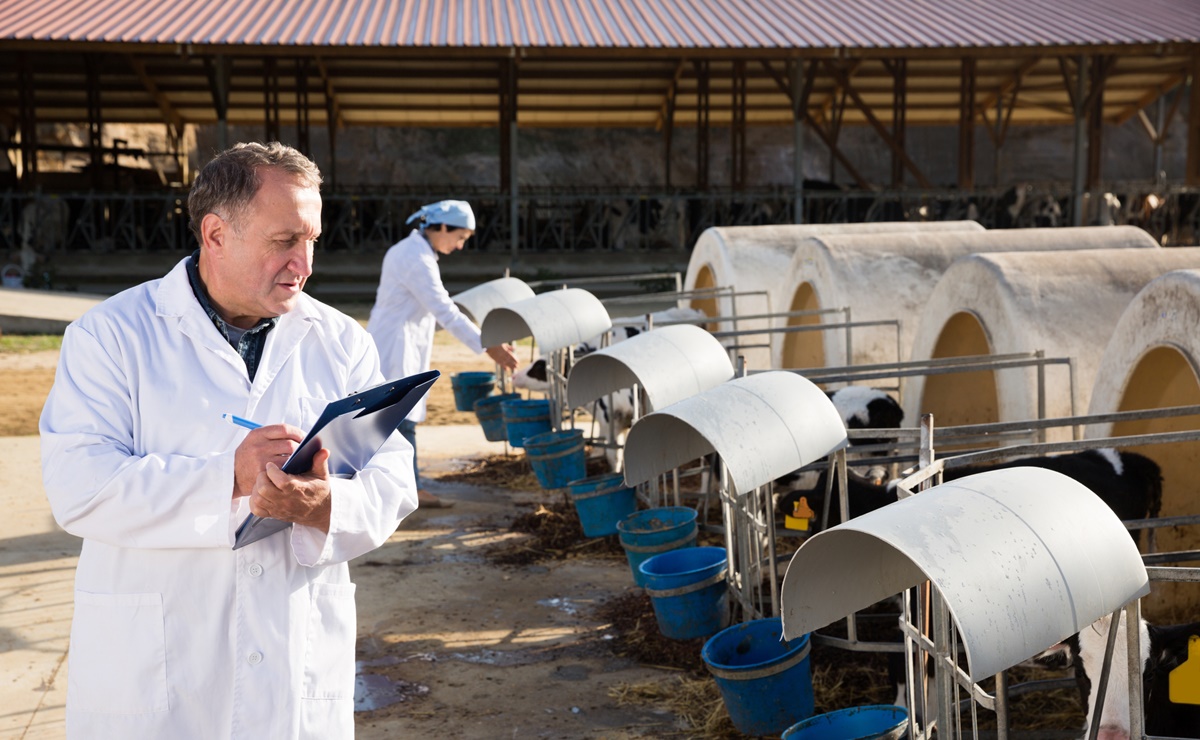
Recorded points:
(577, 221)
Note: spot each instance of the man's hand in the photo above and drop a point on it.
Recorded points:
(274, 443)
(301, 499)
(504, 356)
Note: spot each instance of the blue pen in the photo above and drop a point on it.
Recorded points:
(240, 421)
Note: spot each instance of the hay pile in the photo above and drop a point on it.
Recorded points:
(554, 534)
(841, 678)
(499, 471)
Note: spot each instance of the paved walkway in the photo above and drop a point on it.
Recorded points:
(37, 572)
(41, 311)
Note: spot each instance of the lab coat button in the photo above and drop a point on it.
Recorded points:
(255, 570)
(254, 658)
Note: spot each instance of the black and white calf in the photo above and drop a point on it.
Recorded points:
(860, 407)
(1131, 485)
(1164, 649)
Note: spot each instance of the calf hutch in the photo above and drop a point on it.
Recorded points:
(1065, 304)
(889, 277)
(740, 269)
(1152, 361)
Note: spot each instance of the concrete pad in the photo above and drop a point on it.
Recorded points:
(37, 576)
(26, 311)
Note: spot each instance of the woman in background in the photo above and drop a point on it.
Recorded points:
(411, 303)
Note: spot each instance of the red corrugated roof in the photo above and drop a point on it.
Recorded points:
(589, 24)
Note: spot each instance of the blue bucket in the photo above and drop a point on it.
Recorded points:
(876, 722)
(525, 419)
(653, 531)
(601, 502)
(766, 683)
(687, 588)
(557, 457)
(491, 418)
(470, 387)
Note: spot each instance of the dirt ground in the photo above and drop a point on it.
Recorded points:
(469, 627)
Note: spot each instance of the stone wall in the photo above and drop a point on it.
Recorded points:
(617, 158)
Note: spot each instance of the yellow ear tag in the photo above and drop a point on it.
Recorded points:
(1184, 682)
(800, 516)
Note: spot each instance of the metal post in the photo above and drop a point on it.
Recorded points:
(947, 714)
(1001, 706)
(1133, 639)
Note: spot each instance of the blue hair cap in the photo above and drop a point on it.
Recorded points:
(449, 212)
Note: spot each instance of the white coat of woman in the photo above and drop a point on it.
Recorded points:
(412, 302)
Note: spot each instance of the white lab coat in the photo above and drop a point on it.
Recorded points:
(176, 635)
(409, 305)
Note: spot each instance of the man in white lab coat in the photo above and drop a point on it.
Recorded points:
(412, 302)
(177, 635)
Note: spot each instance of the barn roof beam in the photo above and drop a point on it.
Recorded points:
(844, 80)
(333, 106)
(1150, 96)
(829, 141)
(668, 104)
(169, 113)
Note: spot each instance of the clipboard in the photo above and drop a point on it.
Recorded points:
(352, 429)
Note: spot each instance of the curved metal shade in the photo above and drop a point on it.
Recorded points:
(477, 302)
(670, 364)
(1024, 557)
(762, 426)
(555, 320)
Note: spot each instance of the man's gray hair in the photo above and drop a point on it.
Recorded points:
(227, 184)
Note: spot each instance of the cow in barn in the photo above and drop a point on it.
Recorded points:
(42, 230)
(1021, 207)
(646, 223)
(1163, 650)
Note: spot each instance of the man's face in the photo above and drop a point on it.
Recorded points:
(446, 242)
(255, 266)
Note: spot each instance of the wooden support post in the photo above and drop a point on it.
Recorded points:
(302, 120)
(737, 127)
(1192, 172)
(271, 99)
(95, 121)
(28, 123)
(702, 121)
(331, 125)
(966, 125)
(218, 80)
(1095, 119)
(899, 118)
(508, 149)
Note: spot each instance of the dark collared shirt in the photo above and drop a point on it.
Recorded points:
(249, 343)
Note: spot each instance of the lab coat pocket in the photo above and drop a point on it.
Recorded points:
(329, 654)
(118, 658)
(310, 411)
